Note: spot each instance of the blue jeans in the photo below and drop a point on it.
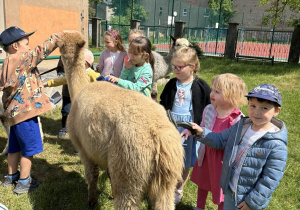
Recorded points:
(65, 110)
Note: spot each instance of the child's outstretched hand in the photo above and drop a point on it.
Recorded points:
(243, 206)
(186, 133)
(112, 79)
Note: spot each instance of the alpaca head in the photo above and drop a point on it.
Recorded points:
(70, 44)
(181, 42)
(178, 43)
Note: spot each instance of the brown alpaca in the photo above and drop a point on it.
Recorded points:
(123, 131)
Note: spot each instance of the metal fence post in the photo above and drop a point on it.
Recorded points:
(231, 40)
(295, 46)
(179, 29)
(96, 31)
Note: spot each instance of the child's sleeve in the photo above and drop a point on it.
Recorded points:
(140, 84)
(214, 140)
(124, 74)
(43, 50)
(93, 75)
(269, 180)
(57, 82)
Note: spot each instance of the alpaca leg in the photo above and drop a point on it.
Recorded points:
(154, 91)
(127, 194)
(163, 199)
(91, 175)
(41, 128)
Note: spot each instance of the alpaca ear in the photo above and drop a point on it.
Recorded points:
(59, 43)
(174, 40)
(81, 43)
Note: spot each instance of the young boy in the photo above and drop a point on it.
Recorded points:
(255, 151)
(23, 99)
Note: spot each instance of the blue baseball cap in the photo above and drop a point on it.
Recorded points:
(266, 91)
(12, 34)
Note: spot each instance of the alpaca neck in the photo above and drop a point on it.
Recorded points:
(76, 77)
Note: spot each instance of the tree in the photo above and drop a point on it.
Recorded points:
(125, 19)
(277, 9)
(227, 11)
(124, 5)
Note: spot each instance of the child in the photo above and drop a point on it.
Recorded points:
(134, 33)
(111, 59)
(140, 75)
(23, 99)
(226, 96)
(186, 96)
(255, 151)
(92, 75)
(66, 104)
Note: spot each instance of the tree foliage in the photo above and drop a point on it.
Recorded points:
(124, 4)
(126, 17)
(277, 9)
(227, 11)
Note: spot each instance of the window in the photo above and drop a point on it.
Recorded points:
(184, 12)
(160, 10)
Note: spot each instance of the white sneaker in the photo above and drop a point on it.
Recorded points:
(178, 196)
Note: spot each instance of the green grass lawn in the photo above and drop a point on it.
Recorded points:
(62, 173)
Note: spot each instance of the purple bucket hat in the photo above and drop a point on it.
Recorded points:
(266, 91)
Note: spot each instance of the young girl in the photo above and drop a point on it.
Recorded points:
(186, 96)
(228, 91)
(111, 59)
(134, 33)
(140, 74)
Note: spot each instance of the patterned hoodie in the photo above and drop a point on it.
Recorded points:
(24, 95)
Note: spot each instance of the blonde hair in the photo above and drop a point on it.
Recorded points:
(115, 35)
(188, 56)
(233, 88)
(137, 32)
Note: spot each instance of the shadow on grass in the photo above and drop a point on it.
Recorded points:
(61, 189)
(182, 206)
(50, 126)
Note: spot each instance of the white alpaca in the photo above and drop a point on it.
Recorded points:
(123, 131)
(162, 64)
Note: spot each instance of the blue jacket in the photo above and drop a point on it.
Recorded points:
(263, 166)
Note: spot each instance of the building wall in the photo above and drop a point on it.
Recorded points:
(46, 17)
(249, 14)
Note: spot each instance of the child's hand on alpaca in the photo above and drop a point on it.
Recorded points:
(45, 84)
(243, 206)
(112, 79)
(129, 64)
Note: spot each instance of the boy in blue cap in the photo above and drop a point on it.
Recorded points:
(24, 98)
(255, 151)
